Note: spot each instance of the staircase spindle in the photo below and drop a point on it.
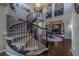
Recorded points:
(27, 33)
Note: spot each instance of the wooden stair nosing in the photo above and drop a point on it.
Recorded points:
(37, 52)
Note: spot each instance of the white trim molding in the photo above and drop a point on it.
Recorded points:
(2, 50)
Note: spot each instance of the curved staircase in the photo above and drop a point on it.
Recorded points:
(23, 37)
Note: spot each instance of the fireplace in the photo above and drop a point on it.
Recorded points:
(55, 27)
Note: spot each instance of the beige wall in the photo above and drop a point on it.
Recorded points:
(3, 11)
(75, 33)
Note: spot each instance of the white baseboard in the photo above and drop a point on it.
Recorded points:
(9, 54)
(2, 50)
(72, 50)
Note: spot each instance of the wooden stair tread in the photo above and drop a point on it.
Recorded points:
(30, 48)
(37, 52)
(20, 41)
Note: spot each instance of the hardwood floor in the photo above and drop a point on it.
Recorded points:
(62, 49)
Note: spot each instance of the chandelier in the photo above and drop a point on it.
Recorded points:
(37, 7)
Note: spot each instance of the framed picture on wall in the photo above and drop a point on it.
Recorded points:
(76, 6)
(59, 9)
(49, 11)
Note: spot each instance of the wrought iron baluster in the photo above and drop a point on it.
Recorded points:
(46, 37)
